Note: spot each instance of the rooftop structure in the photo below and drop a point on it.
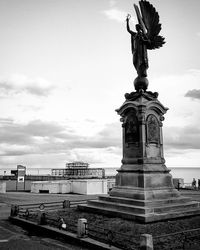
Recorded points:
(77, 164)
(79, 172)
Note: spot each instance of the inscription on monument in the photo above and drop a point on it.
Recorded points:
(153, 129)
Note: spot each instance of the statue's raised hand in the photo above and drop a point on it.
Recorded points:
(128, 17)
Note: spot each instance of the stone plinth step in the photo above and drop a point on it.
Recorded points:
(120, 207)
(111, 212)
(142, 203)
(143, 218)
(159, 208)
(176, 207)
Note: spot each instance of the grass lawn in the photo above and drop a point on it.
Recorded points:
(126, 233)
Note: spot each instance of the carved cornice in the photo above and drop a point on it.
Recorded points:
(136, 95)
(141, 102)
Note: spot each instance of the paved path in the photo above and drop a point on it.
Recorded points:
(26, 197)
(13, 237)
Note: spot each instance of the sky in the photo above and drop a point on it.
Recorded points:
(65, 66)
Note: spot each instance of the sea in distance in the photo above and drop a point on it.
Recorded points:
(186, 173)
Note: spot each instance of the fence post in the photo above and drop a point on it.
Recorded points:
(146, 242)
(66, 204)
(27, 214)
(41, 215)
(110, 237)
(14, 210)
(82, 228)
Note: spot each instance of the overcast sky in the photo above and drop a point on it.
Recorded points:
(65, 66)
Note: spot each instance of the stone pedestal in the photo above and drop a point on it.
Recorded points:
(144, 190)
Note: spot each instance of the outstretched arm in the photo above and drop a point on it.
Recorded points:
(127, 25)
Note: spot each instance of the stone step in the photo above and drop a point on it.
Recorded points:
(176, 207)
(111, 212)
(142, 203)
(143, 218)
(160, 208)
(120, 207)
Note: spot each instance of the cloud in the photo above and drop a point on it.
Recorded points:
(19, 138)
(194, 94)
(87, 155)
(39, 137)
(112, 3)
(15, 150)
(182, 138)
(17, 83)
(40, 144)
(115, 14)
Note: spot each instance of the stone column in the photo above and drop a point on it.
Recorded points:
(142, 123)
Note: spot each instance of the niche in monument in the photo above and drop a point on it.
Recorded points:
(153, 137)
(144, 190)
(131, 129)
(152, 128)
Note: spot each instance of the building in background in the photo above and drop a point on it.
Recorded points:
(77, 164)
(74, 171)
(78, 170)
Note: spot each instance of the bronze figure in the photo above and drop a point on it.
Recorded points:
(146, 37)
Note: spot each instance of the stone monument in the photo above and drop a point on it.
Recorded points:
(144, 190)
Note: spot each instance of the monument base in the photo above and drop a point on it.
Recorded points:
(144, 195)
(144, 211)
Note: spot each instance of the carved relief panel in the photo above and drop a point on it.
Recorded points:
(153, 130)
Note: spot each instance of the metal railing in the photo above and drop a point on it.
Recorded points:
(57, 222)
(26, 210)
(186, 186)
(179, 240)
(113, 238)
(44, 213)
(107, 236)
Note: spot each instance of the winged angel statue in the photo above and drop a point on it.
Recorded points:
(146, 36)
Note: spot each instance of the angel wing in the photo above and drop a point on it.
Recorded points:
(150, 19)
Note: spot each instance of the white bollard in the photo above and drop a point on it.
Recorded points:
(62, 224)
(146, 242)
(82, 228)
